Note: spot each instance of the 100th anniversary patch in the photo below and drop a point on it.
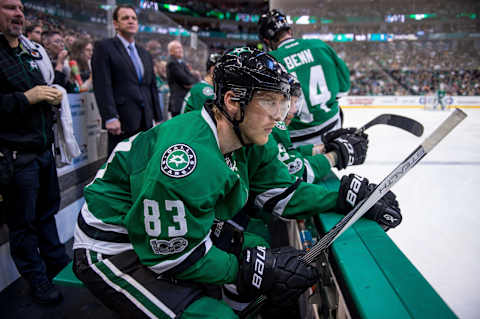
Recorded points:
(281, 125)
(178, 161)
(168, 247)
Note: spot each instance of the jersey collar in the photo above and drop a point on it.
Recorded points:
(285, 42)
(208, 117)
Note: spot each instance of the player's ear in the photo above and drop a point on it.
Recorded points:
(231, 105)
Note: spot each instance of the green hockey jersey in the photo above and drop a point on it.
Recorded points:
(196, 97)
(324, 77)
(299, 161)
(160, 191)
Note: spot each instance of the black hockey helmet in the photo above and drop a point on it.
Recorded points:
(271, 24)
(295, 88)
(244, 71)
(213, 59)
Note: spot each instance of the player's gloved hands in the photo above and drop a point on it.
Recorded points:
(354, 188)
(386, 211)
(327, 138)
(279, 273)
(351, 148)
(227, 237)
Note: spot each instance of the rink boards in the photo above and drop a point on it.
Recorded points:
(410, 102)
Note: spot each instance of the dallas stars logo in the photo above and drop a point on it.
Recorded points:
(207, 91)
(238, 51)
(178, 161)
(33, 65)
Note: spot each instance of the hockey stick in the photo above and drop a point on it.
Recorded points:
(402, 122)
(380, 190)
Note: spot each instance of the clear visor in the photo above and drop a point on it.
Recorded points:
(300, 105)
(275, 105)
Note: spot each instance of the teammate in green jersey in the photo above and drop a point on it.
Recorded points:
(144, 241)
(203, 90)
(324, 77)
(313, 162)
(310, 162)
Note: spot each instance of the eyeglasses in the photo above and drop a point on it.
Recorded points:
(58, 41)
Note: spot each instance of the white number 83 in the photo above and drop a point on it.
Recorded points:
(153, 224)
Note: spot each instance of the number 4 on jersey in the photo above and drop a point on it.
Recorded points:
(318, 93)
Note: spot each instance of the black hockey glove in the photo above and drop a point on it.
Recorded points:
(327, 138)
(227, 237)
(279, 273)
(354, 188)
(351, 148)
(386, 211)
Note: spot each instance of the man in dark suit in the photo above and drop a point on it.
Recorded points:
(123, 80)
(179, 77)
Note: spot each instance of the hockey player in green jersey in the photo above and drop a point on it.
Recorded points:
(310, 162)
(144, 242)
(203, 90)
(324, 77)
(313, 162)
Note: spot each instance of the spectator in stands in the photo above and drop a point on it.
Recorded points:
(324, 77)
(154, 48)
(80, 58)
(55, 46)
(34, 33)
(123, 80)
(29, 176)
(160, 69)
(161, 74)
(203, 90)
(180, 79)
(69, 39)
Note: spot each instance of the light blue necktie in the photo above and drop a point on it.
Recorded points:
(136, 62)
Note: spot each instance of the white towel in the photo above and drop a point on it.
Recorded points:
(68, 145)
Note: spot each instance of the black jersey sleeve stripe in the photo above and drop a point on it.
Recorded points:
(101, 235)
(272, 202)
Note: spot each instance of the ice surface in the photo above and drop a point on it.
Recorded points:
(438, 198)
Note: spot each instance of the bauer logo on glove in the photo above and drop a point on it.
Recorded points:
(354, 188)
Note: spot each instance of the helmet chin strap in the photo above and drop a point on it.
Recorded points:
(236, 123)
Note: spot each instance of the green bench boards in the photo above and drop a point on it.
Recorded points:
(67, 278)
(379, 278)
